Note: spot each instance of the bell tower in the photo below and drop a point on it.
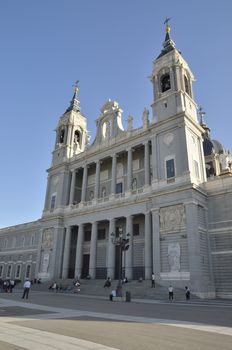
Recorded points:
(177, 146)
(71, 132)
(172, 83)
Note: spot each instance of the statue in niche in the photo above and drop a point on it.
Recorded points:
(103, 192)
(134, 184)
(174, 257)
(145, 117)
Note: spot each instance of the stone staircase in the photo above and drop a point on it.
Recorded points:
(138, 290)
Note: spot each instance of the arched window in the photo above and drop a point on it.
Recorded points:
(77, 137)
(165, 82)
(62, 131)
(186, 85)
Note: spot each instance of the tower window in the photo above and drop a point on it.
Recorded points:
(170, 168)
(165, 82)
(53, 201)
(77, 137)
(62, 131)
(186, 85)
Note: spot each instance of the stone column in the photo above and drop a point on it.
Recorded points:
(72, 188)
(113, 174)
(129, 252)
(156, 242)
(154, 159)
(148, 246)
(84, 183)
(66, 252)
(146, 164)
(93, 251)
(97, 180)
(79, 253)
(111, 251)
(129, 169)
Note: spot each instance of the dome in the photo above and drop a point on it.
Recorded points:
(208, 147)
(218, 147)
(212, 146)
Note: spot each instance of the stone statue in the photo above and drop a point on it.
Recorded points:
(130, 123)
(174, 257)
(145, 118)
(224, 160)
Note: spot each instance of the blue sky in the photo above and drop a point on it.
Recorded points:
(108, 45)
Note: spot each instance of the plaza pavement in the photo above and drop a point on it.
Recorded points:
(48, 321)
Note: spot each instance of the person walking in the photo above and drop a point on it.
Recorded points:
(170, 293)
(26, 286)
(152, 280)
(187, 293)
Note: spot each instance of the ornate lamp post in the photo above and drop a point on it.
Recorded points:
(122, 244)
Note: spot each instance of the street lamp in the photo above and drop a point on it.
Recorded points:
(123, 245)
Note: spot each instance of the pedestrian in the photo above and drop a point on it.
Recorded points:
(152, 280)
(170, 292)
(107, 282)
(54, 287)
(187, 292)
(26, 286)
(12, 284)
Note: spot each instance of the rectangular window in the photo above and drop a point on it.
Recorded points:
(1, 270)
(101, 233)
(18, 271)
(9, 268)
(135, 229)
(28, 271)
(119, 187)
(53, 201)
(87, 236)
(170, 168)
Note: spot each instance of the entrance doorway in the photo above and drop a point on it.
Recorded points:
(85, 268)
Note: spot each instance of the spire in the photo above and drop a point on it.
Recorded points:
(202, 122)
(74, 103)
(168, 44)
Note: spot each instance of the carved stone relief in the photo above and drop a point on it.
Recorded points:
(47, 240)
(172, 218)
(174, 257)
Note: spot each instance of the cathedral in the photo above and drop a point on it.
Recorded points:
(157, 198)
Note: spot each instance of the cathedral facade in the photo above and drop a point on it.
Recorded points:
(163, 189)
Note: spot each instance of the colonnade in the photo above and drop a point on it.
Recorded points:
(110, 248)
(113, 174)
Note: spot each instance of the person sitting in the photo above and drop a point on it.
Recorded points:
(107, 282)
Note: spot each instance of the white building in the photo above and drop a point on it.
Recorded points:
(166, 186)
